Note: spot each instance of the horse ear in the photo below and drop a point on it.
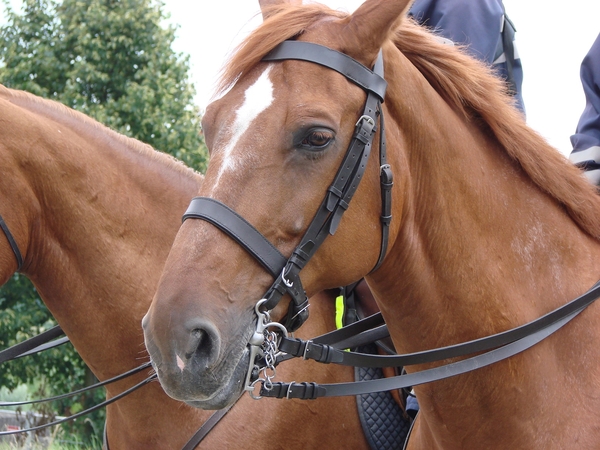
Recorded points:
(268, 7)
(371, 24)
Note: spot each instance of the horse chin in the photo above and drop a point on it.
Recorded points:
(210, 391)
(228, 393)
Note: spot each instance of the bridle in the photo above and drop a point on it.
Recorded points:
(327, 218)
(337, 198)
(13, 244)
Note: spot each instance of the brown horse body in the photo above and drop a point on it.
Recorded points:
(491, 227)
(94, 214)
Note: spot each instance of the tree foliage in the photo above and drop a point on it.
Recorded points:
(112, 60)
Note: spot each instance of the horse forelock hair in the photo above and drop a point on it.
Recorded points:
(79, 122)
(470, 87)
(285, 22)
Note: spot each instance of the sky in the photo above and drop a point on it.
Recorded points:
(552, 39)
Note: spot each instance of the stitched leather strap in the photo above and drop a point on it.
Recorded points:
(330, 352)
(314, 390)
(239, 229)
(13, 243)
(341, 63)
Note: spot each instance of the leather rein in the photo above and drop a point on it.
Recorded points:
(329, 348)
(13, 243)
(55, 337)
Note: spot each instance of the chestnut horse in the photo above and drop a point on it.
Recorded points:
(491, 227)
(94, 215)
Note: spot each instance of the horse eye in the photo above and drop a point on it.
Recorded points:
(317, 139)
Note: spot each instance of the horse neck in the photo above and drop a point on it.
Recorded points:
(479, 249)
(474, 226)
(106, 216)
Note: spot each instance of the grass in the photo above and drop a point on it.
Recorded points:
(56, 444)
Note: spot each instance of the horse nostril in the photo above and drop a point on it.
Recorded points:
(200, 345)
(203, 346)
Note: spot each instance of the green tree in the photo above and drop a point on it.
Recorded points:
(56, 371)
(112, 60)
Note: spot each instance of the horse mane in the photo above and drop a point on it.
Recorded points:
(78, 121)
(470, 87)
(465, 83)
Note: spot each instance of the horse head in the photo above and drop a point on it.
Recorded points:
(276, 139)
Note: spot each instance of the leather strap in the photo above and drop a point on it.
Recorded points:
(47, 346)
(332, 353)
(386, 180)
(314, 390)
(343, 187)
(86, 411)
(198, 435)
(33, 345)
(206, 427)
(13, 243)
(239, 229)
(341, 63)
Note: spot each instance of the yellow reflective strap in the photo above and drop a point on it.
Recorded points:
(339, 311)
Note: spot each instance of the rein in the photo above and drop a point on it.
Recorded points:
(80, 391)
(327, 348)
(13, 243)
(35, 344)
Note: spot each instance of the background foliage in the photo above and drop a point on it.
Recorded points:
(112, 60)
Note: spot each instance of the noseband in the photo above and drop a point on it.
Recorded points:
(286, 271)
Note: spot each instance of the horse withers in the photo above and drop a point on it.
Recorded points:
(490, 229)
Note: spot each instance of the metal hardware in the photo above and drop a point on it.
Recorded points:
(287, 282)
(264, 344)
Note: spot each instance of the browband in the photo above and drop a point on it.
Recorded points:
(341, 63)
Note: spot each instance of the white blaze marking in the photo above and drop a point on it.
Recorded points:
(257, 98)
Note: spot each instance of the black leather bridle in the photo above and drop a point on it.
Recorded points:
(286, 271)
(13, 243)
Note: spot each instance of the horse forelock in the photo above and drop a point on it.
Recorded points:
(470, 87)
(80, 122)
(286, 22)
